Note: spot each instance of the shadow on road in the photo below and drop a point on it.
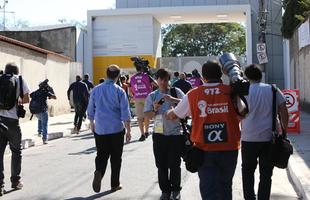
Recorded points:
(87, 151)
(95, 196)
(60, 123)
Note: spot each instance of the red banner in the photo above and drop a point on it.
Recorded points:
(293, 106)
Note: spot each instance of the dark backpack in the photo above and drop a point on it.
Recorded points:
(8, 85)
(37, 104)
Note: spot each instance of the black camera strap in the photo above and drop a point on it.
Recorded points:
(21, 89)
(274, 112)
(173, 93)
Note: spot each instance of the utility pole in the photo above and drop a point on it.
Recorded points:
(3, 7)
(261, 45)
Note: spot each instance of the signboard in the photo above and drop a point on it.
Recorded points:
(261, 53)
(293, 106)
(304, 34)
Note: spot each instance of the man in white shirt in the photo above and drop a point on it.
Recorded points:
(13, 136)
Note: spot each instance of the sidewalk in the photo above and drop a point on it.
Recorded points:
(299, 163)
(58, 127)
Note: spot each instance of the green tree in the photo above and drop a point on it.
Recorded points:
(203, 39)
(295, 13)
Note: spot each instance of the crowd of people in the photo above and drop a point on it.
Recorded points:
(215, 111)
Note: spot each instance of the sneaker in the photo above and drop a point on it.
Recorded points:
(97, 181)
(142, 138)
(39, 134)
(165, 196)
(176, 195)
(114, 189)
(17, 185)
(45, 142)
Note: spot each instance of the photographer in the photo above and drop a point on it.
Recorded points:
(141, 85)
(215, 131)
(17, 93)
(38, 106)
(256, 134)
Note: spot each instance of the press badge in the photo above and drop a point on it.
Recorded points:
(215, 133)
(158, 124)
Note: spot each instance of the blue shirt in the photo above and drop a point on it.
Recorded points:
(109, 107)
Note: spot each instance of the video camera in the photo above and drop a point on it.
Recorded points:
(231, 67)
(44, 85)
(140, 63)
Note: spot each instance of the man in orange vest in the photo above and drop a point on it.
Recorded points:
(215, 130)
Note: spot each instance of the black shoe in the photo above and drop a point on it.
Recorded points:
(142, 138)
(146, 134)
(97, 181)
(2, 191)
(17, 185)
(114, 189)
(165, 196)
(45, 142)
(176, 195)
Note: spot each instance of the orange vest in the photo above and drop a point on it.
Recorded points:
(215, 124)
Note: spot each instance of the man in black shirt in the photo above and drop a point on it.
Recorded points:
(182, 83)
(89, 84)
(80, 101)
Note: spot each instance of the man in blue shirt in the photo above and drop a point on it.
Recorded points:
(109, 115)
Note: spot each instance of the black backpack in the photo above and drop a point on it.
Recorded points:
(8, 86)
(37, 104)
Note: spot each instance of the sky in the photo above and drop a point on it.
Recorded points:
(48, 12)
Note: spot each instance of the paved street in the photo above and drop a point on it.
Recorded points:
(63, 169)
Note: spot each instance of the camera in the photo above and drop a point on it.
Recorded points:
(140, 63)
(21, 112)
(231, 67)
(161, 101)
(45, 86)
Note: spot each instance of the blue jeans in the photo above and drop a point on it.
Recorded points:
(216, 175)
(42, 124)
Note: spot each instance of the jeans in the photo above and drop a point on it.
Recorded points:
(13, 136)
(80, 110)
(42, 124)
(251, 152)
(167, 151)
(216, 174)
(110, 146)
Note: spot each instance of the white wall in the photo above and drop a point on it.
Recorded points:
(122, 35)
(36, 67)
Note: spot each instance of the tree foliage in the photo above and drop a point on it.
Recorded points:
(203, 39)
(295, 13)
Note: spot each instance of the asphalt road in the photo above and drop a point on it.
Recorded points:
(63, 169)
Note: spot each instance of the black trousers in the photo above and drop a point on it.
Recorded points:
(110, 146)
(167, 151)
(80, 110)
(253, 152)
(13, 136)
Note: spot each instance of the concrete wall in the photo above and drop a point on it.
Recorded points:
(62, 41)
(299, 69)
(274, 68)
(36, 67)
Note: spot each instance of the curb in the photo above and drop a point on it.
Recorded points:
(296, 183)
(295, 174)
